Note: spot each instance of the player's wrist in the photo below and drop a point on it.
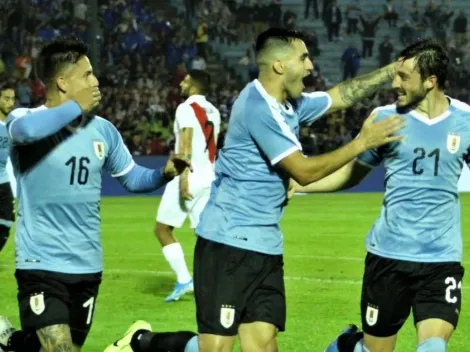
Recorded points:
(359, 145)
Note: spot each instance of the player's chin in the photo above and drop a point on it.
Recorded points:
(402, 101)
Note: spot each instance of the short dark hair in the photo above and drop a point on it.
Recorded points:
(54, 56)
(431, 59)
(201, 79)
(6, 86)
(277, 37)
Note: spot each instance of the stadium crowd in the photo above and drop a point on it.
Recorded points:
(144, 54)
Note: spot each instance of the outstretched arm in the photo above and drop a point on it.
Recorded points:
(348, 176)
(350, 92)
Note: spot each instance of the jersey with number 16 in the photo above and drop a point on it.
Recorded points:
(200, 115)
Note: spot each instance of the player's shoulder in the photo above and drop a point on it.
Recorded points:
(255, 101)
(385, 111)
(20, 112)
(460, 106)
(105, 127)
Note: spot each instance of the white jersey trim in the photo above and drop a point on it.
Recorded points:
(126, 170)
(283, 155)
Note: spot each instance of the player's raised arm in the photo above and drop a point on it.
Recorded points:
(352, 91)
(373, 134)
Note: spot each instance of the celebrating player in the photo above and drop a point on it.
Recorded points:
(7, 102)
(415, 247)
(238, 263)
(58, 152)
(196, 127)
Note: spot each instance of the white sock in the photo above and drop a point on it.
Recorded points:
(175, 257)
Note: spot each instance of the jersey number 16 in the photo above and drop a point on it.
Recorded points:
(78, 170)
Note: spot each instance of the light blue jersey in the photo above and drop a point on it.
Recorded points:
(249, 193)
(420, 216)
(59, 190)
(4, 152)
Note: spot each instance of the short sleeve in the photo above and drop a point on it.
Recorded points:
(185, 117)
(371, 158)
(119, 160)
(312, 106)
(272, 134)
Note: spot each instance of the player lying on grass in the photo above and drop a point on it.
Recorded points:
(415, 247)
(59, 151)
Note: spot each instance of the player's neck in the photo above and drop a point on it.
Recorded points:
(54, 99)
(272, 88)
(434, 105)
(3, 117)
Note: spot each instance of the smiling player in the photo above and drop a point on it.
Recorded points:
(415, 247)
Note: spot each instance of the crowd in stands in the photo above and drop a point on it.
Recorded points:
(144, 52)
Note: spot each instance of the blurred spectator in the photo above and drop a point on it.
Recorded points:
(275, 13)
(198, 63)
(260, 17)
(390, 14)
(351, 61)
(385, 52)
(368, 35)
(314, 4)
(353, 11)
(414, 12)
(407, 34)
(333, 19)
(460, 27)
(289, 20)
(311, 41)
(202, 38)
(244, 19)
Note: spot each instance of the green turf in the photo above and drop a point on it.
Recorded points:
(324, 243)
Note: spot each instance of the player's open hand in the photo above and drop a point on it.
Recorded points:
(374, 134)
(175, 165)
(88, 98)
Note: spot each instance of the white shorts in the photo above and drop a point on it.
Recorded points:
(173, 210)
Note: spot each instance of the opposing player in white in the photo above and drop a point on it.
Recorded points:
(196, 127)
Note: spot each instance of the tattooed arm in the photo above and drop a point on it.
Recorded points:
(56, 338)
(352, 91)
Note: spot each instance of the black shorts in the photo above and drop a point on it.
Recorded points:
(48, 298)
(392, 288)
(6, 204)
(234, 286)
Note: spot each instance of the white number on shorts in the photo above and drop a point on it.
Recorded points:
(452, 285)
(89, 304)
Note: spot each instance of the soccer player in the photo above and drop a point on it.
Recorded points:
(415, 246)
(7, 102)
(238, 262)
(196, 127)
(58, 152)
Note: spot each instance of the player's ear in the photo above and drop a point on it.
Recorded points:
(278, 67)
(61, 84)
(430, 82)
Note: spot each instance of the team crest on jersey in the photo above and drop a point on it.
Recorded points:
(227, 316)
(453, 143)
(372, 315)
(99, 149)
(36, 302)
